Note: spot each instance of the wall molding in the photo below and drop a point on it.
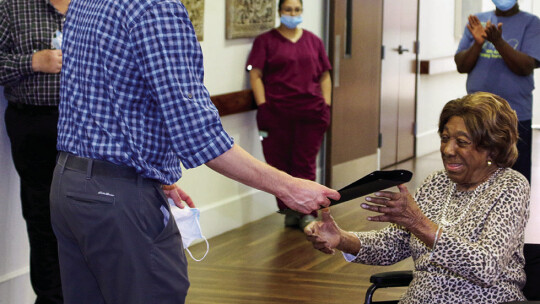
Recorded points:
(234, 102)
(427, 142)
(14, 274)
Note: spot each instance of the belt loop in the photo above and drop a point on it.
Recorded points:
(89, 168)
(62, 159)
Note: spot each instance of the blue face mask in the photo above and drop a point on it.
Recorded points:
(504, 5)
(291, 21)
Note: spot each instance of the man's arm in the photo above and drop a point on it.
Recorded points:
(15, 66)
(298, 194)
(518, 62)
(466, 60)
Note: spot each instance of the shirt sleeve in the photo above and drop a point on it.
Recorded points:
(171, 63)
(483, 260)
(531, 39)
(323, 57)
(257, 56)
(12, 66)
(382, 247)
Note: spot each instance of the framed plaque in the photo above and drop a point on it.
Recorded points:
(195, 10)
(249, 18)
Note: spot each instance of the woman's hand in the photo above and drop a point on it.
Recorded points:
(327, 236)
(177, 195)
(399, 208)
(324, 235)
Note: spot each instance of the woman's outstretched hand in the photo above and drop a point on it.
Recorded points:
(396, 207)
(325, 235)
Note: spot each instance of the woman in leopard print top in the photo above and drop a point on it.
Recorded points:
(465, 226)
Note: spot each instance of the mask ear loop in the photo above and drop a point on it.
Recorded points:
(207, 250)
(207, 245)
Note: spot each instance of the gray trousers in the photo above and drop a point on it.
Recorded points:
(113, 244)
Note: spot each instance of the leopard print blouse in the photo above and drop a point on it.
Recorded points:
(479, 256)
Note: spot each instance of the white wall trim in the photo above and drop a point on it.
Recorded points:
(427, 142)
(17, 273)
(230, 200)
(233, 212)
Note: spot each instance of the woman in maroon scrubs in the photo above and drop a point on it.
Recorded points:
(289, 73)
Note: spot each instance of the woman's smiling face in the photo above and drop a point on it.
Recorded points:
(465, 164)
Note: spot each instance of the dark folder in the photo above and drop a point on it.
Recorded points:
(373, 182)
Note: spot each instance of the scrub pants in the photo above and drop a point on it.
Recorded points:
(292, 141)
(32, 133)
(114, 246)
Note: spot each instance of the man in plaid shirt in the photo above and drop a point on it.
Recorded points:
(30, 74)
(133, 107)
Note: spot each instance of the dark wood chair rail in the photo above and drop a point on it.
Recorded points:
(235, 102)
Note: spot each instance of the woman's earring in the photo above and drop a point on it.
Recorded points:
(489, 162)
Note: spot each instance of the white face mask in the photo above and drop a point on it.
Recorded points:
(187, 220)
(56, 40)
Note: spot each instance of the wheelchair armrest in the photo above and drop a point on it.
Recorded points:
(392, 278)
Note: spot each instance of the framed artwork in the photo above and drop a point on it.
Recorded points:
(464, 8)
(195, 10)
(249, 18)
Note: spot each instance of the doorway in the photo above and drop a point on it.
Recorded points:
(398, 81)
(355, 32)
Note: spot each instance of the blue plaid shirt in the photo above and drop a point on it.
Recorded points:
(132, 88)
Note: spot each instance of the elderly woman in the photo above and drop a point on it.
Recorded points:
(464, 228)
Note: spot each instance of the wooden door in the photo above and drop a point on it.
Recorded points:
(398, 83)
(355, 39)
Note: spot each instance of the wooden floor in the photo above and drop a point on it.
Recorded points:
(263, 262)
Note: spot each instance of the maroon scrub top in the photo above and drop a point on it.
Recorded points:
(291, 70)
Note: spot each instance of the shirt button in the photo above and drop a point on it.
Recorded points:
(189, 96)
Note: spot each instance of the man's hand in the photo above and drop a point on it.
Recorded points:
(47, 61)
(493, 33)
(477, 30)
(177, 195)
(306, 196)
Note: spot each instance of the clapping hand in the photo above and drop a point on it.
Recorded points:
(477, 30)
(493, 33)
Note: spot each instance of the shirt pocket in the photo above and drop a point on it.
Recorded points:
(34, 38)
